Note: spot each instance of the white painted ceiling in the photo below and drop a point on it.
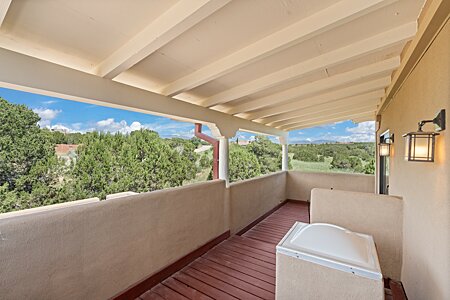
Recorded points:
(288, 64)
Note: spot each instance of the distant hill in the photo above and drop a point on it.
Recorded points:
(316, 142)
(319, 142)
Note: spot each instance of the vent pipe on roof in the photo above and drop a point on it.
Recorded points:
(215, 145)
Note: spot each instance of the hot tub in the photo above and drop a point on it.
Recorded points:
(320, 261)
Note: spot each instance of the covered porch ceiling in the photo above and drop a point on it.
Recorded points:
(264, 66)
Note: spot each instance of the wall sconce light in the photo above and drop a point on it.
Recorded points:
(384, 148)
(420, 145)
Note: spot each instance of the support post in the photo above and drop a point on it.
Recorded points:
(285, 158)
(284, 153)
(223, 159)
(215, 145)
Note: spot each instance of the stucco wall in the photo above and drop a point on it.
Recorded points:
(250, 199)
(377, 215)
(424, 186)
(95, 250)
(299, 279)
(299, 184)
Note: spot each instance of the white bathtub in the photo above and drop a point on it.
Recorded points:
(332, 246)
(324, 261)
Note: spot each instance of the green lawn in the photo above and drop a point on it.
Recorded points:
(298, 165)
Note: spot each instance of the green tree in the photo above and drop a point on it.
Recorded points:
(308, 153)
(29, 169)
(267, 153)
(22, 143)
(340, 161)
(186, 150)
(243, 164)
(57, 137)
(356, 164)
(369, 168)
(139, 162)
(205, 160)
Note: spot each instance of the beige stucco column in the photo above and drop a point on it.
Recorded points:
(223, 133)
(223, 159)
(284, 153)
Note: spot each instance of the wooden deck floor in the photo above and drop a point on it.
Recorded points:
(242, 267)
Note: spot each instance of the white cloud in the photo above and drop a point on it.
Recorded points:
(105, 123)
(362, 132)
(62, 128)
(77, 126)
(46, 115)
(49, 102)
(174, 129)
(110, 125)
(362, 128)
(165, 129)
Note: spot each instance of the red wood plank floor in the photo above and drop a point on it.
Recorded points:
(242, 267)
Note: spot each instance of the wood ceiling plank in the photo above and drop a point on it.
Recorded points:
(4, 6)
(175, 21)
(317, 86)
(329, 114)
(366, 116)
(354, 90)
(357, 49)
(324, 20)
(335, 106)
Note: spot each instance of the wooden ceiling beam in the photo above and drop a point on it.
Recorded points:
(354, 90)
(307, 28)
(4, 6)
(329, 114)
(29, 74)
(318, 86)
(432, 19)
(354, 50)
(335, 106)
(374, 96)
(363, 119)
(171, 24)
(367, 116)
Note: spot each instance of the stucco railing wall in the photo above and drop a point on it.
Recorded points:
(250, 199)
(378, 215)
(299, 184)
(94, 249)
(99, 248)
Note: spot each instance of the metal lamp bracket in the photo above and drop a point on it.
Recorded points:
(438, 121)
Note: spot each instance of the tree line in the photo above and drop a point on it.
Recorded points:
(352, 157)
(31, 174)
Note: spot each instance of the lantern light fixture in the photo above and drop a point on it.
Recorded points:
(384, 148)
(420, 145)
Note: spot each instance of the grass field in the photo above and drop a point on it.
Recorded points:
(298, 165)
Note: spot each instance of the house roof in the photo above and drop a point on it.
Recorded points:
(281, 64)
(65, 149)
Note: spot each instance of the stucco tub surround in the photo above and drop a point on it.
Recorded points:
(325, 261)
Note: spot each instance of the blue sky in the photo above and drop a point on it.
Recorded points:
(75, 116)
